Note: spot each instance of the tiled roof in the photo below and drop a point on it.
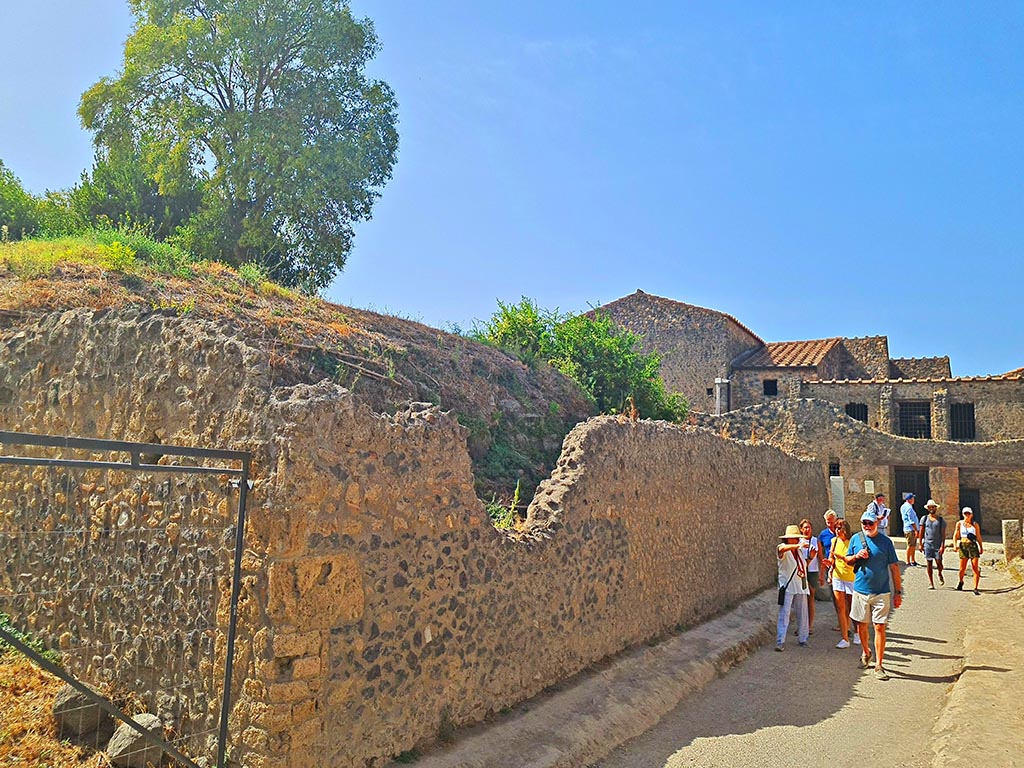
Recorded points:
(790, 354)
(669, 304)
(1016, 373)
(1011, 376)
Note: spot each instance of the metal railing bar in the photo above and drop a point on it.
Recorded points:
(60, 441)
(236, 588)
(53, 669)
(85, 464)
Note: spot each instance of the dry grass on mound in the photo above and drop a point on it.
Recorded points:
(28, 733)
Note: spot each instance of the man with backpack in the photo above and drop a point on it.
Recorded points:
(874, 559)
(881, 512)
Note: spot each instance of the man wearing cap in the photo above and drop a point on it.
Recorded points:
(911, 527)
(881, 512)
(874, 557)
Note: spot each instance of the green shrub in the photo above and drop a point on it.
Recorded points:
(252, 274)
(32, 642)
(163, 257)
(603, 359)
(522, 329)
(19, 210)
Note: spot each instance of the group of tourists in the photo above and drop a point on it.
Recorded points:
(863, 570)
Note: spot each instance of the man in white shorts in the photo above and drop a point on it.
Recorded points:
(873, 555)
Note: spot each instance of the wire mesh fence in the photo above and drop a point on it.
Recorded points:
(123, 560)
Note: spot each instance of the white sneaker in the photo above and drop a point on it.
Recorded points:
(843, 644)
(856, 639)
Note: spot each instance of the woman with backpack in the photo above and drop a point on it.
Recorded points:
(967, 540)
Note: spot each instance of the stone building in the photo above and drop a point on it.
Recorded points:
(724, 369)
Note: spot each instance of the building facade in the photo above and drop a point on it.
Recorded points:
(908, 414)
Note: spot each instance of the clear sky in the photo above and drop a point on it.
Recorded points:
(813, 169)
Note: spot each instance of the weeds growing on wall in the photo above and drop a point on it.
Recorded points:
(504, 518)
(34, 643)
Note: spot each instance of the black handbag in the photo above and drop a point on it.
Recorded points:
(782, 590)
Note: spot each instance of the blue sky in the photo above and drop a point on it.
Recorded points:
(813, 169)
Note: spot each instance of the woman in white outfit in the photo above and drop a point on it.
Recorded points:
(793, 580)
(967, 541)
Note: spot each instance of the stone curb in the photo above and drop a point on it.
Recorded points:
(981, 723)
(583, 722)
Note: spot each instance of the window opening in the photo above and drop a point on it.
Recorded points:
(858, 411)
(771, 387)
(916, 420)
(961, 421)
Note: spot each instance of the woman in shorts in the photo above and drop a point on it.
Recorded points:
(967, 540)
(842, 580)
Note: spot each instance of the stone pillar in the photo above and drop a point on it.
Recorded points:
(1013, 545)
(885, 412)
(940, 415)
(722, 397)
(945, 485)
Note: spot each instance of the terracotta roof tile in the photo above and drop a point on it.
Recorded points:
(790, 354)
(1016, 373)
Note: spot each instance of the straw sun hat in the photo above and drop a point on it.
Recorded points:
(792, 532)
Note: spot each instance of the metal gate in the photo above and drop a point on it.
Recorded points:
(908, 481)
(127, 562)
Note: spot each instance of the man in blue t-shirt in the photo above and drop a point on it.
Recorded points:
(826, 537)
(911, 527)
(873, 556)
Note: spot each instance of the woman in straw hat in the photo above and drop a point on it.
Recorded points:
(967, 540)
(792, 587)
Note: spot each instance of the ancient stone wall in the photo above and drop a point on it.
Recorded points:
(1002, 495)
(696, 344)
(819, 429)
(747, 385)
(998, 404)
(865, 358)
(379, 606)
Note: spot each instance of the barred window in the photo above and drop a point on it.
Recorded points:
(833, 468)
(771, 387)
(961, 421)
(858, 411)
(916, 419)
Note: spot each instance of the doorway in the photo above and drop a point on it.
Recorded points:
(908, 481)
(971, 497)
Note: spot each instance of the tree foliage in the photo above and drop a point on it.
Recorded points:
(19, 210)
(264, 107)
(604, 359)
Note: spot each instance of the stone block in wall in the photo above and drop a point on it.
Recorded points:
(944, 483)
(1013, 545)
(316, 592)
(940, 414)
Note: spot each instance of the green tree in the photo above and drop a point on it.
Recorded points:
(19, 210)
(122, 191)
(266, 103)
(602, 358)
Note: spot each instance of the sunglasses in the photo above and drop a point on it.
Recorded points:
(867, 524)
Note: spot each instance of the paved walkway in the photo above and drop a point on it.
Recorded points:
(957, 666)
(953, 700)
